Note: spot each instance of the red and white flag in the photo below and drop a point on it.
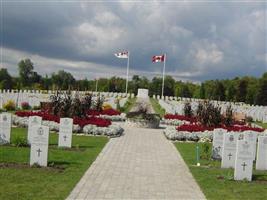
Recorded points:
(122, 54)
(158, 58)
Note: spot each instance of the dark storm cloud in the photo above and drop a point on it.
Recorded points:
(202, 40)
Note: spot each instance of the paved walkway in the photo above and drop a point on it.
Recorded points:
(142, 164)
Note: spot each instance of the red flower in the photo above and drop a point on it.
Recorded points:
(103, 112)
(76, 120)
(180, 117)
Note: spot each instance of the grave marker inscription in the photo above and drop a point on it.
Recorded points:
(65, 132)
(39, 145)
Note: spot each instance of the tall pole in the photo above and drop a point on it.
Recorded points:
(127, 76)
(163, 77)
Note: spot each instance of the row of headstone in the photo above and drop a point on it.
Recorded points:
(38, 138)
(238, 151)
(258, 113)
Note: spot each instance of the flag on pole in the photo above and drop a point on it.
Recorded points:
(122, 54)
(158, 58)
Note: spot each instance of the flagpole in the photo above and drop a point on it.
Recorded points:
(127, 77)
(163, 76)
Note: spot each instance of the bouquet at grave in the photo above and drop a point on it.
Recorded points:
(9, 105)
(25, 106)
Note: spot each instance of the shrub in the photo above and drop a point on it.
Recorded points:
(206, 151)
(249, 119)
(20, 141)
(208, 114)
(228, 120)
(76, 107)
(9, 105)
(56, 103)
(25, 106)
(188, 110)
(65, 105)
(87, 103)
(99, 103)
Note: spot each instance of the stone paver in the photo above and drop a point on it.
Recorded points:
(142, 164)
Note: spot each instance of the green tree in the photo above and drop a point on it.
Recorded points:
(185, 92)
(63, 80)
(169, 84)
(262, 92)
(231, 92)
(5, 79)
(202, 93)
(155, 86)
(25, 71)
(242, 90)
(219, 91)
(117, 84)
(252, 89)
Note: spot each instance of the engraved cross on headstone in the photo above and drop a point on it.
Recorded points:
(229, 156)
(219, 148)
(244, 166)
(39, 151)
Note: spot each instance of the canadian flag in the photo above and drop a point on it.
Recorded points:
(158, 58)
(122, 54)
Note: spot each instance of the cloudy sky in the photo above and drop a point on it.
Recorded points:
(202, 40)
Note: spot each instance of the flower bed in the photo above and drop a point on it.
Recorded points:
(109, 112)
(200, 128)
(76, 120)
(173, 122)
(180, 117)
(111, 130)
(171, 133)
(177, 120)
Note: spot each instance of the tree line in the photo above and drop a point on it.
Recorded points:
(246, 89)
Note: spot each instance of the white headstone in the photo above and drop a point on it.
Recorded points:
(261, 162)
(39, 145)
(142, 93)
(33, 121)
(65, 132)
(244, 160)
(5, 128)
(217, 143)
(251, 137)
(229, 150)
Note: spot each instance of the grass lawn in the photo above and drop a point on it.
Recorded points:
(217, 183)
(157, 108)
(66, 167)
(128, 105)
(263, 125)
